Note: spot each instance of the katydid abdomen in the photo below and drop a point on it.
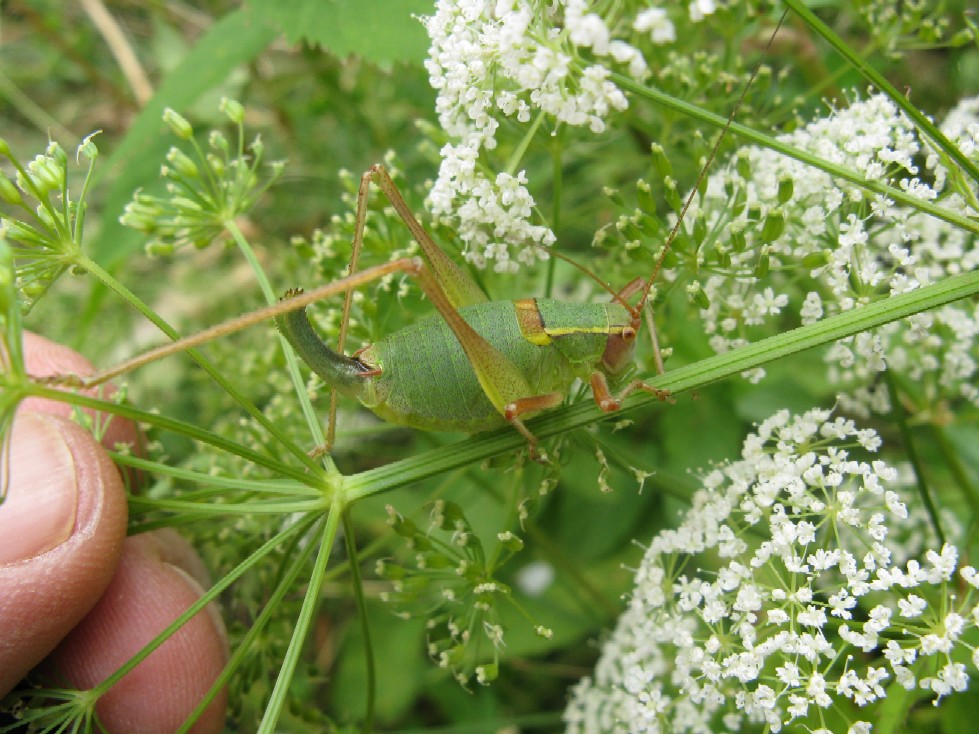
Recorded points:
(422, 377)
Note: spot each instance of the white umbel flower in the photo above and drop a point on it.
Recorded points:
(788, 588)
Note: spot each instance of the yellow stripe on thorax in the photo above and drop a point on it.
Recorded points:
(562, 331)
(535, 331)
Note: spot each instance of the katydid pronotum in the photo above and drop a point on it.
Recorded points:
(499, 362)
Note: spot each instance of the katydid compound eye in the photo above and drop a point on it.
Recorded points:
(628, 333)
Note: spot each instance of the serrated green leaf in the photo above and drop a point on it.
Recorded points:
(382, 31)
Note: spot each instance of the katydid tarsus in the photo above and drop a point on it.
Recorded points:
(476, 364)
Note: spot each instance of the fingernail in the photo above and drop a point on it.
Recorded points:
(38, 512)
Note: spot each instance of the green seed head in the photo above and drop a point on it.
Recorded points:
(773, 227)
(661, 164)
(178, 123)
(56, 152)
(46, 174)
(232, 110)
(87, 147)
(9, 192)
(785, 185)
(183, 165)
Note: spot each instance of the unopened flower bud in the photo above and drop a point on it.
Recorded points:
(785, 186)
(672, 195)
(9, 192)
(88, 148)
(661, 164)
(178, 124)
(613, 195)
(217, 141)
(45, 174)
(57, 153)
(45, 217)
(157, 248)
(216, 164)
(232, 110)
(644, 194)
(773, 227)
(738, 240)
(182, 163)
(743, 165)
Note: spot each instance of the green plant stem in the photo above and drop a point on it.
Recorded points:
(284, 586)
(524, 144)
(953, 462)
(557, 184)
(292, 364)
(357, 583)
(110, 282)
(248, 507)
(239, 484)
(689, 377)
(195, 608)
(900, 418)
(874, 77)
(767, 141)
(277, 700)
(189, 430)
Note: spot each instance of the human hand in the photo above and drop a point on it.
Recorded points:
(74, 589)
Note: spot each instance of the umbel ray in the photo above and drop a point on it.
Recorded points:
(476, 364)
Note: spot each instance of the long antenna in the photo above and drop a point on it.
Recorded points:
(616, 296)
(703, 171)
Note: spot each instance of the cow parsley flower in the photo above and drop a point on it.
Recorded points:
(795, 589)
(854, 247)
(520, 61)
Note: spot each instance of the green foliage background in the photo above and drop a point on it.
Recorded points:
(335, 85)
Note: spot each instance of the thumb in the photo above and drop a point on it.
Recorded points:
(62, 525)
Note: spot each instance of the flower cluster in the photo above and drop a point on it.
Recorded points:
(774, 218)
(523, 60)
(796, 589)
(46, 229)
(454, 577)
(203, 195)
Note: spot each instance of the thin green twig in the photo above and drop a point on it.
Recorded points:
(900, 418)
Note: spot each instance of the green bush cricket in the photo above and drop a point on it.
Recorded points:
(497, 362)
(477, 364)
(493, 362)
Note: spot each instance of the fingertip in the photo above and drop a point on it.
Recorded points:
(149, 591)
(67, 546)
